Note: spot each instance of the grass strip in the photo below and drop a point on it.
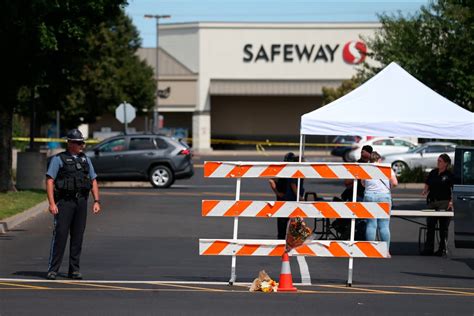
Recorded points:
(12, 203)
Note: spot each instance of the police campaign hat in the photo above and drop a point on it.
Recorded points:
(74, 135)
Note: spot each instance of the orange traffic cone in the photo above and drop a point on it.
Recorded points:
(286, 280)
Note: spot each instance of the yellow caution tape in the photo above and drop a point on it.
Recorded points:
(266, 143)
(50, 140)
(258, 144)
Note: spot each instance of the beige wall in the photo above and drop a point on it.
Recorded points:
(251, 117)
(182, 96)
(182, 42)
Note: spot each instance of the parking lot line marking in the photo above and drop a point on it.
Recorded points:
(451, 288)
(33, 287)
(439, 290)
(359, 289)
(328, 292)
(103, 286)
(234, 291)
(191, 287)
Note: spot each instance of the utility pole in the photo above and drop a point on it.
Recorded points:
(155, 119)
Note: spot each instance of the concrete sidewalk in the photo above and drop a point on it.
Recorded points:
(10, 222)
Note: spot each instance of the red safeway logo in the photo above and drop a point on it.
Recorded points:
(354, 52)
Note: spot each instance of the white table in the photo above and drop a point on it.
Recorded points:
(421, 213)
(409, 214)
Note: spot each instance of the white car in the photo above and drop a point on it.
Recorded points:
(383, 145)
(425, 156)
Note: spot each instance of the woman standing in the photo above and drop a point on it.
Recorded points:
(378, 190)
(438, 192)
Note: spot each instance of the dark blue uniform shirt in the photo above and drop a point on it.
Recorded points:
(56, 163)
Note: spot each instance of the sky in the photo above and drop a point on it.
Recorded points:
(262, 11)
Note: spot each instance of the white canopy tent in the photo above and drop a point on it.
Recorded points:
(392, 103)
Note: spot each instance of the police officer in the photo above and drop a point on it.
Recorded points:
(69, 179)
(438, 191)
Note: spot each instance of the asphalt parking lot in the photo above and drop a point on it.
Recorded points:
(141, 256)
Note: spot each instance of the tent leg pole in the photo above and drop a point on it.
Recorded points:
(302, 145)
(300, 159)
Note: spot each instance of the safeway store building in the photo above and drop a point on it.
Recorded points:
(251, 80)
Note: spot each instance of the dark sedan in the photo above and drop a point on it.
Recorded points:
(158, 159)
(345, 145)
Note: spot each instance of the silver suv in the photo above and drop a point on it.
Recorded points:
(158, 159)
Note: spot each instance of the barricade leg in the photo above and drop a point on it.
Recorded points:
(233, 274)
(351, 260)
(349, 277)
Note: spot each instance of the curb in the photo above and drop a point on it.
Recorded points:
(10, 222)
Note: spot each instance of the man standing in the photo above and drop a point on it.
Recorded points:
(69, 179)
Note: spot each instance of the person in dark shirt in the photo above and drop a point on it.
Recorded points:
(280, 187)
(438, 192)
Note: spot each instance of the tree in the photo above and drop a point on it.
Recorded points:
(332, 94)
(45, 49)
(434, 45)
(112, 73)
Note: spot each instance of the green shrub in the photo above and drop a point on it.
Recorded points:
(415, 175)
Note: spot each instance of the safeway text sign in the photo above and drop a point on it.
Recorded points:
(354, 52)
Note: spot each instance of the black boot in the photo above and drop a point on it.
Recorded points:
(427, 252)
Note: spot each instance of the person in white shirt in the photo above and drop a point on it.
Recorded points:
(378, 190)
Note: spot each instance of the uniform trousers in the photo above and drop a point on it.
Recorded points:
(70, 220)
(443, 227)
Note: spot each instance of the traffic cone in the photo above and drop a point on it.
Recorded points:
(286, 280)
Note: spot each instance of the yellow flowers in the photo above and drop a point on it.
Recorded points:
(269, 286)
(263, 283)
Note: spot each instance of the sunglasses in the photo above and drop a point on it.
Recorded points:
(78, 143)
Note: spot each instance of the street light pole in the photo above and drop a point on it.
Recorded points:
(155, 120)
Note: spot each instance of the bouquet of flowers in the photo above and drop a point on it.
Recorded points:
(297, 233)
(263, 283)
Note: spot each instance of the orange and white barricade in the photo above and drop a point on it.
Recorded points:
(242, 208)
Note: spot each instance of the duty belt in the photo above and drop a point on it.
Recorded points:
(72, 195)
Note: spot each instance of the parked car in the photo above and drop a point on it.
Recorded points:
(424, 156)
(383, 145)
(463, 197)
(158, 159)
(346, 145)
